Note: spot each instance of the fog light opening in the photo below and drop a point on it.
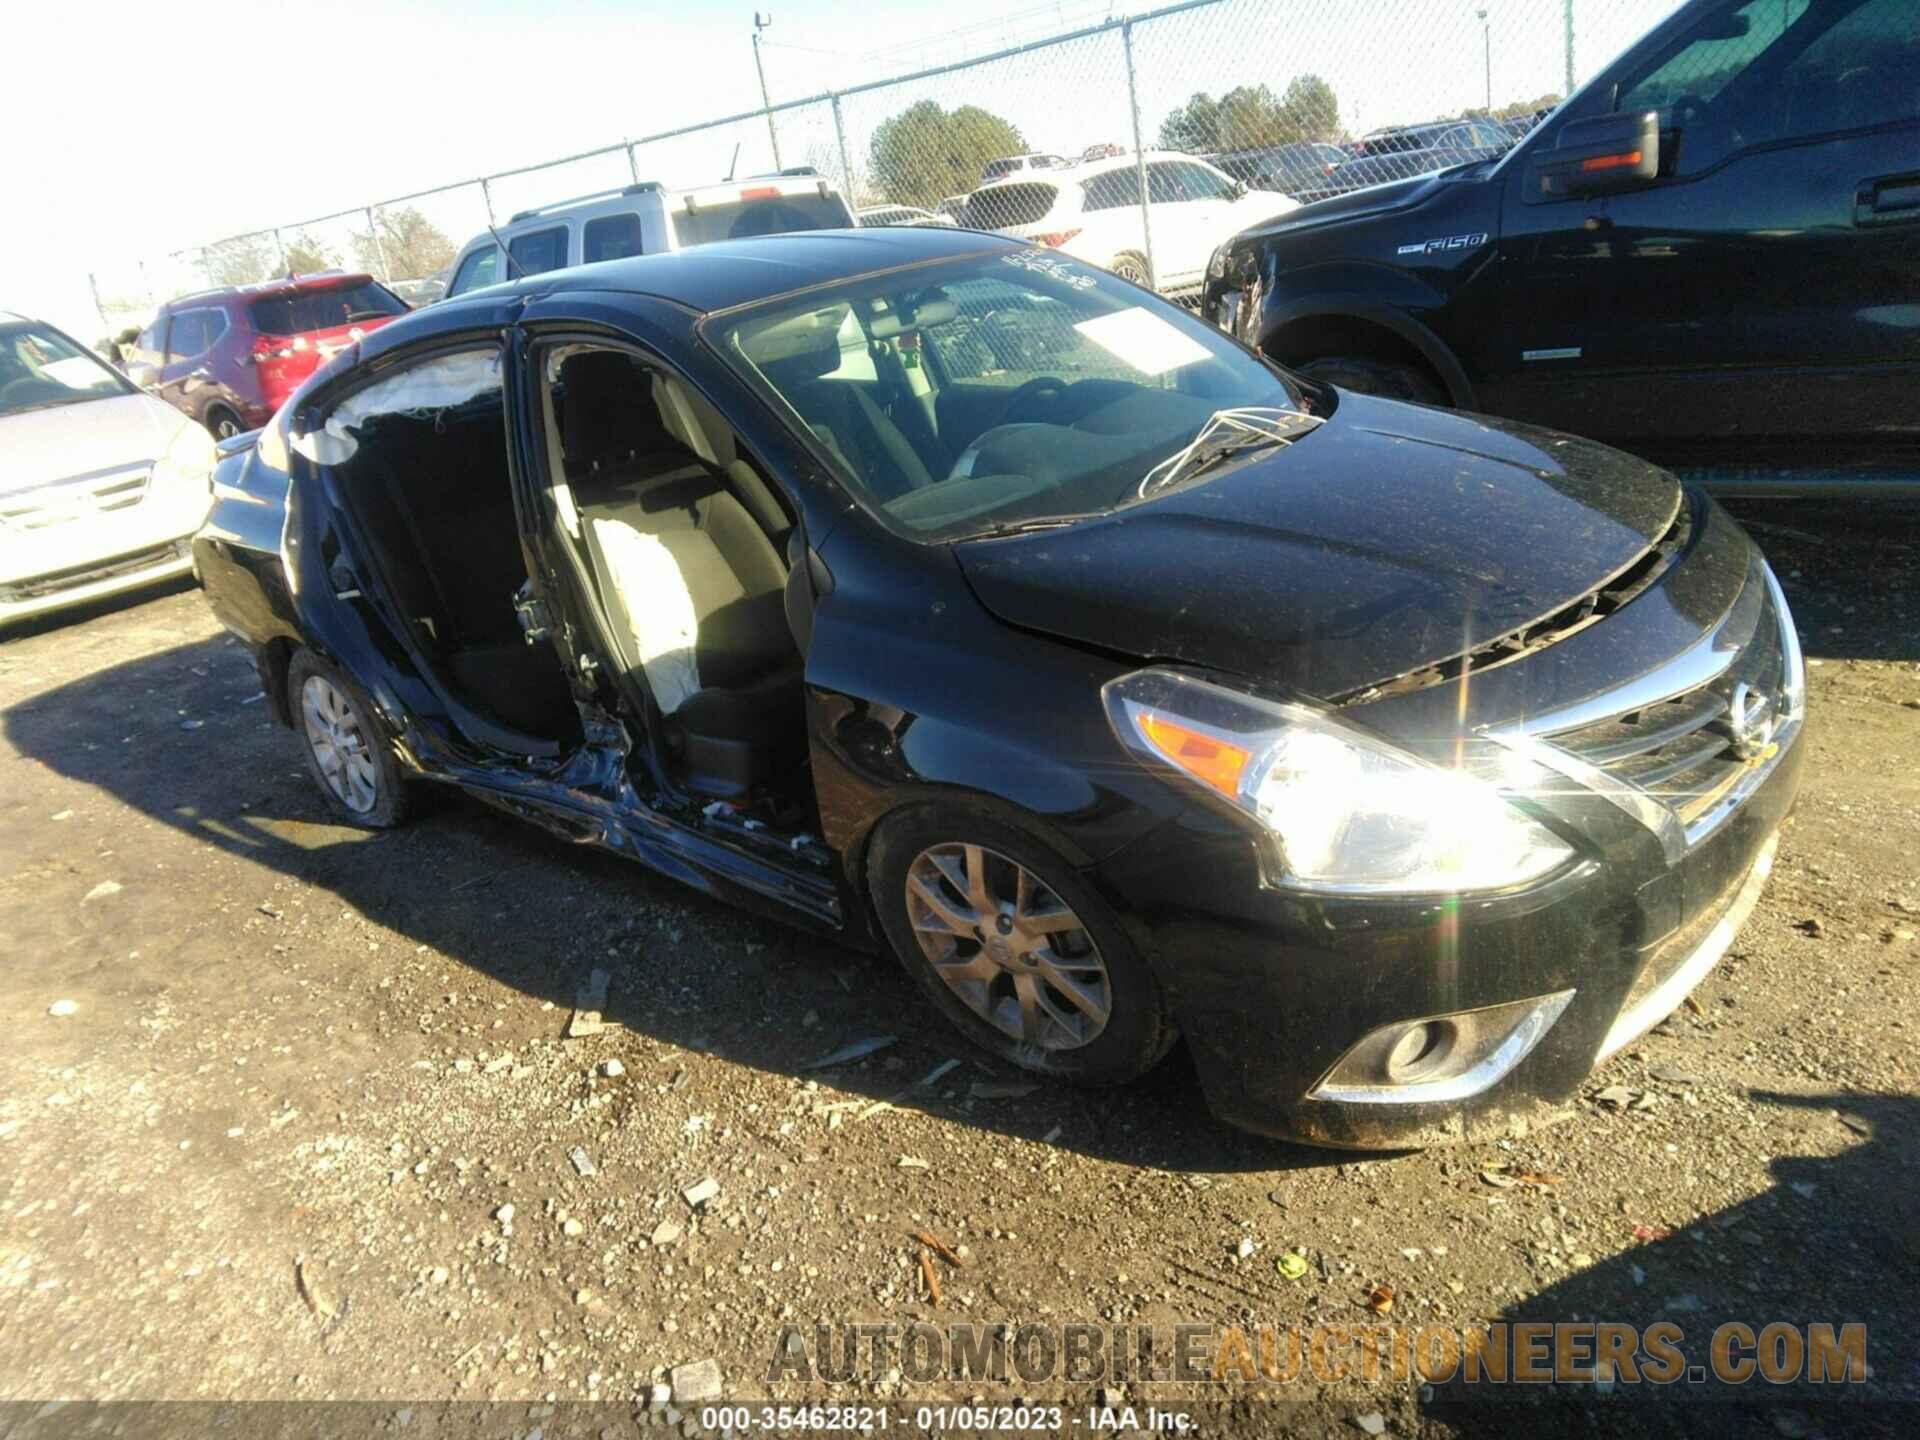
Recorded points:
(1420, 1050)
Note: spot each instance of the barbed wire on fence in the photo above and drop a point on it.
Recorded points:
(1287, 98)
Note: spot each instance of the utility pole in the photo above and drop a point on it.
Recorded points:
(761, 22)
(1567, 19)
(1486, 46)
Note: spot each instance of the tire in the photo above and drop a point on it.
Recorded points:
(1131, 267)
(223, 424)
(1009, 992)
(1389, 379)
(335, 722)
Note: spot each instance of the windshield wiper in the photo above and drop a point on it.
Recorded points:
(1004, 528)
(1227, 434)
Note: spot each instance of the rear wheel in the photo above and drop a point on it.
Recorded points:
(347, 754)
(1019, 952)
(1391, 379)
(1131, 267)
(223, 423)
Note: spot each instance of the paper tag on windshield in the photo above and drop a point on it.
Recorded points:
(1143, 340)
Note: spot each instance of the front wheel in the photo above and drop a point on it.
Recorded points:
(1018, 951)
(347, 754)
(223, 424)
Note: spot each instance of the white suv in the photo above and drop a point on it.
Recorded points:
(1092, 212)
(644, 219)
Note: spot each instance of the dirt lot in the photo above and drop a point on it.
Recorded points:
(272, 1085)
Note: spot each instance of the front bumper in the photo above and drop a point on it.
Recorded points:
(1270, 1000)
(48, 591)
(70, 543)
(1295, 1005)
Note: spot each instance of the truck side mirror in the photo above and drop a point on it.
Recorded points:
(1597, 157)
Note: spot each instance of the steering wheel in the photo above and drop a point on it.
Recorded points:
(1045, 384)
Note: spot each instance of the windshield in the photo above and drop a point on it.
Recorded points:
(41, 368)
(1007, 388)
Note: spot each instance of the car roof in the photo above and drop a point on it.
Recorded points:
(279, 285)
(728, 273)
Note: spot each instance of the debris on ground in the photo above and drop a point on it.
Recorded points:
(939, 1247)
(696, 1382)
(326, 1306)
(582, 1163)
(588, 1002)
(61, 1008)
(1379, 1299)
(700, 1192)
(929, 1278)
(1292, 1264)
(858, 1050)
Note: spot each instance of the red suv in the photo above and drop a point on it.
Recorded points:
(230, 357)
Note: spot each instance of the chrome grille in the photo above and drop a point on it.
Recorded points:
(1698, 751)
(102, 492)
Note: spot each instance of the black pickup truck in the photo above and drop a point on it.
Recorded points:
(1710, 255)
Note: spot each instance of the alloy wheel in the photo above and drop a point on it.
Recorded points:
(1011, 949)
(340, 745)
(1127, 268)
(225, 427)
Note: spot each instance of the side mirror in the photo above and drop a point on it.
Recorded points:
(1598, 157)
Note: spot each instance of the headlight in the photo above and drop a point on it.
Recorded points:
(189, 459)
(1217, 265)
(1348, 813)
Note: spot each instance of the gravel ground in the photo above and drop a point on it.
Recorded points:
(290, 1112)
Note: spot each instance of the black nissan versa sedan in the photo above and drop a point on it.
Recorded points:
(953, 596)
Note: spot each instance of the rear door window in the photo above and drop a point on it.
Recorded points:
(539, 250)
(193, 333)
(611, 237)
(480, 268)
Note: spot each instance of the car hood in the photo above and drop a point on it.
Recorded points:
(1390, 539)
(1353, 204)
(41, 447)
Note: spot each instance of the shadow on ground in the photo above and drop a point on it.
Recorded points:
(1835, 1241)
(1851, 570)
(180, 736)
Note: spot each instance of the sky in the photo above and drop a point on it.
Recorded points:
(164, 126)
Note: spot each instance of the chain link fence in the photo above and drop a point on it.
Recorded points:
(1137, 142)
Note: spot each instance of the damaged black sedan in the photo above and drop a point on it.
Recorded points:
(958, 598)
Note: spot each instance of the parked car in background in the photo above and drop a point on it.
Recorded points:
(101, 487)
(954, 207)
(1093, 212)
(1300, 166)
(1015, 165)
(1105, 151)
(230, 357)
(1403, 150)
(1710, 255)
(423, 291)
(646, 219)
(899, 215)
(1117, 686)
